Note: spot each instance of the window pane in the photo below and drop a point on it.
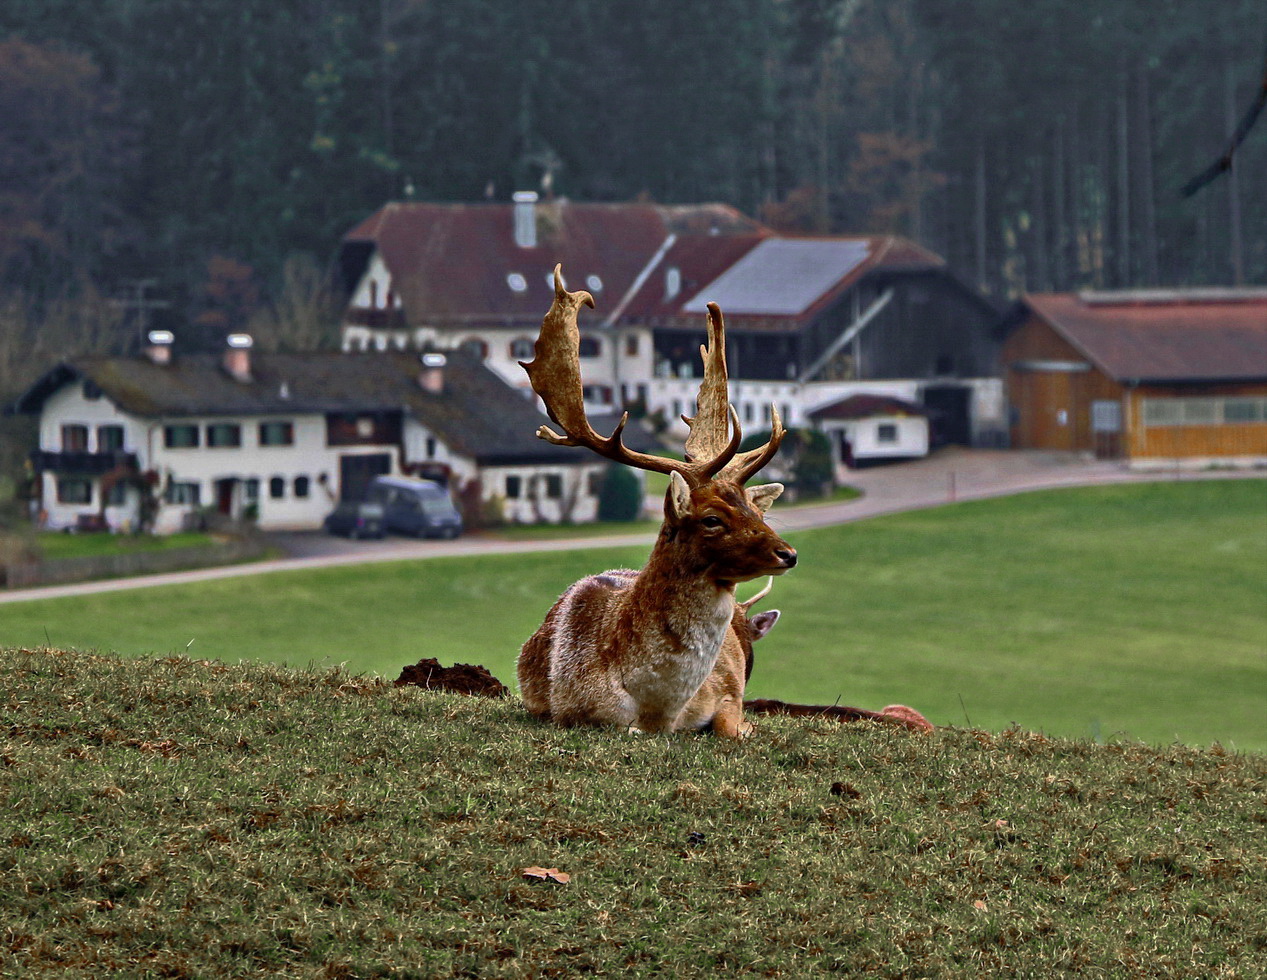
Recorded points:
(1244, 409)
(1201, 411)
(1163, 412)
(277, 487)
(223, 435)
(277, 434)
(188, 494)
(71, 490)
(513, 484)
(180, 436)
(109, 438)
(301, 486)
(74, 438)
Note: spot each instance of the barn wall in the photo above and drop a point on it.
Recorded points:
(1232, 440)
(1038, 397)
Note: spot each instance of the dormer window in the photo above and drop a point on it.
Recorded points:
(672, 282)
(517, 282)
(594, 284)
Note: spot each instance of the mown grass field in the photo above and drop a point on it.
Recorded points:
(178, 818)
(55, 544)
(1085, 613)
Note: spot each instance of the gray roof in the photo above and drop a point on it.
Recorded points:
(782, 276)
(477, 415)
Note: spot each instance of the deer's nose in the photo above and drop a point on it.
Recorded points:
(787, 556)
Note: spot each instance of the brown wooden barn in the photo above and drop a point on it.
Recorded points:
(1156, 378)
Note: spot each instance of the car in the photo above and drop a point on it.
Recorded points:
(356, 519)
(419, 507)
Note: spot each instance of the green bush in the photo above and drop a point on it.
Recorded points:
(620, 496)
(806, 453)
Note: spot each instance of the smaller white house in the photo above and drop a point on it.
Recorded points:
(165, 440)
(865, 428)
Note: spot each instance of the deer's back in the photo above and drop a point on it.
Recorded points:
(572, 639)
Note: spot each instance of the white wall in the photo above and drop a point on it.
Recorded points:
(911, 436)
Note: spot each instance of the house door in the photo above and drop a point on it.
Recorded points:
(1048, 411)
(356, 472)
(225, 495)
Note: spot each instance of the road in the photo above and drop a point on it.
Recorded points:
(949, 475)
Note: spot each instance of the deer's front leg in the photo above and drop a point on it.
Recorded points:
(729, 721)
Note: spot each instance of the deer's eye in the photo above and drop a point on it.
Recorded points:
(711, 522)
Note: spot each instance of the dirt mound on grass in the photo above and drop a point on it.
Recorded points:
(460, 679)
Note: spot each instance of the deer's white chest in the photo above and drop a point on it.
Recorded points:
(678, 653)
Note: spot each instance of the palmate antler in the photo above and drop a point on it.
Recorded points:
(714, 412)
(711, 448)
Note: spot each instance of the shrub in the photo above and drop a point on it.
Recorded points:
(620, 496)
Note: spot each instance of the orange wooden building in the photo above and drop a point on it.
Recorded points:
(1158, 378)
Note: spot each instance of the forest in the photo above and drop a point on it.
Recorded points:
(193, 163)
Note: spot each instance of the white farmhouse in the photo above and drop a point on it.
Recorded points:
(867, 428)
(809, 320)
(280, 438)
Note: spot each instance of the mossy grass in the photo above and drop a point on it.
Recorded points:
(173, 817)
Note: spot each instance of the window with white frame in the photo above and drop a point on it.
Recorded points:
(180, 437)
(187, 494)
(224, 435)
(886, 432)
(74, 490)
(109, 438)
(277, 434)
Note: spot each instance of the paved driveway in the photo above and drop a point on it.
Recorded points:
(948, 475)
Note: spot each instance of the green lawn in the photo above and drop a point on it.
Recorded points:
(182, 818)
(1085, 613)
(58, 544)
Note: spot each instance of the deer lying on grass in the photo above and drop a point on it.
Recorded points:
(655, 650)
(748, 629)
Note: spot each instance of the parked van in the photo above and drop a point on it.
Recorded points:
(419, 507)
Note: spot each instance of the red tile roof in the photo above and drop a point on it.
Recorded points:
(450, 262)
(867, 406)
(1191, 335)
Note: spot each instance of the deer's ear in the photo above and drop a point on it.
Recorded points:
(679, 496)
(762, 623)
(763, 496)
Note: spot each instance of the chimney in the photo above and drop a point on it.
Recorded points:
(237, 357)
(525, 218)
(432, 377)
(158, 346)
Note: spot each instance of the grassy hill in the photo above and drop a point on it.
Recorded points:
(1083, 613)
(184, 818)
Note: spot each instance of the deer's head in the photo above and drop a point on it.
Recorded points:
(713, 523)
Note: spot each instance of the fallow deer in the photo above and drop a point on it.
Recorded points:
(654, 650)
(748, 629)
